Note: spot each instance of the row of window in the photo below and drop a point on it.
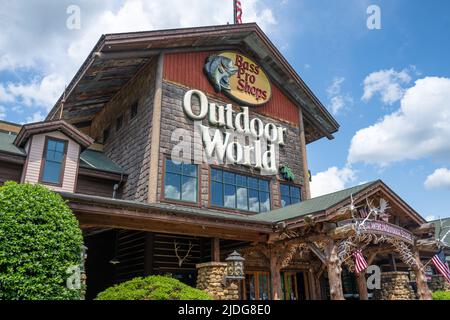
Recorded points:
(228, 190)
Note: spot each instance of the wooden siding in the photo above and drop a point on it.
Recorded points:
(95, 186)
(10, 172)
(187, 69)
(34, 161)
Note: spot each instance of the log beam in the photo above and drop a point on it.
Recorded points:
(423, 291)
(362, 286)
(334, 271)
(275, 277)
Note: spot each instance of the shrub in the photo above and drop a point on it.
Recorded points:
(441, 295)
(39, 240)
(153, 288)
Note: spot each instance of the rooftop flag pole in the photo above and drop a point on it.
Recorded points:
(237, 12)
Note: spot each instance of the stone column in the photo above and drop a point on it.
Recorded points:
(423, 291)
(334, 271)
(362, 286)
(395, 286)
(438, 283)
(211, 278)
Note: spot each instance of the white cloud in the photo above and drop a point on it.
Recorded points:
(440, 178)
(2, 113)
(331, 180)
(387, 83)
(338, 101)
(430, 218)
(35, 117)
(39, 92)
(48, 49)
(419, 129)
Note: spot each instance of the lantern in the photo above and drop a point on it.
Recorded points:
(235, 266)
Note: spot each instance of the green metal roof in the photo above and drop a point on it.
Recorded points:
(6, 144)
(310, 206)
(96, 160)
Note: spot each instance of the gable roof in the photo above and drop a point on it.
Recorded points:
(116, 58)
(311, 206)
(69, 130)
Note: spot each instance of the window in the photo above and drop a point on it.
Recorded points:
(181, 182)
(134, 110)
(119, 122)
(53, 160)
(289, 195)
(236, 191)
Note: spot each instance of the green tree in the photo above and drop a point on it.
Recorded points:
(39, 241)
(153, 288)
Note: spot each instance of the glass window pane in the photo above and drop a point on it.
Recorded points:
(241, 180)
(229, 177)
(253, 183)
(189, 189)
(264, 200)
(242, 199)
(284, 189)
(172, 186)
(60, 146)
(190, 169)
(216, 193)
(285, 201)
(253, 200)
(264, 185)
(172, 166)
(216, 175)
(52, 172)
(51, 145)
(230, 196)
(295, 192)
(295, 200)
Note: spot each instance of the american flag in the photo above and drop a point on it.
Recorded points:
(441, 265)
(360, 262)
(237, 12)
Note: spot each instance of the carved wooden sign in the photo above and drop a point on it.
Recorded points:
(382, 228)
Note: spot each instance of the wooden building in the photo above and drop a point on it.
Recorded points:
(107, 146)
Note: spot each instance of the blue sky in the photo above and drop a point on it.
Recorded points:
(389, 88)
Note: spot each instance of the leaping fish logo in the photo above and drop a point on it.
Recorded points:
(219, 69)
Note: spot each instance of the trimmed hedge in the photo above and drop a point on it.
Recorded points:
(39, 240)
(441, 295)
(153, 288)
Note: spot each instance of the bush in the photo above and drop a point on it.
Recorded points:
(153, 288)
(441, 295)
(39, 240)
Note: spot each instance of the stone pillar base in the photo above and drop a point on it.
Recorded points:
(395, 286)
(211, 278)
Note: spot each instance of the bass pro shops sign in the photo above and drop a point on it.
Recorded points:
(239, 78)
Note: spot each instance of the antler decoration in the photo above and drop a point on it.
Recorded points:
(181, 260)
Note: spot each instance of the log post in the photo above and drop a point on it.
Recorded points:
(275, 277)
(423, 291)
(215, 249)
(334, 271)
(362, 286)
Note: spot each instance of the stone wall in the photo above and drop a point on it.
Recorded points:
(211, 278)
(130, 146)
(173, 117)
(395, 286)
(438, 283)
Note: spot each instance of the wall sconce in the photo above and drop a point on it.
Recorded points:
(235, 267)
